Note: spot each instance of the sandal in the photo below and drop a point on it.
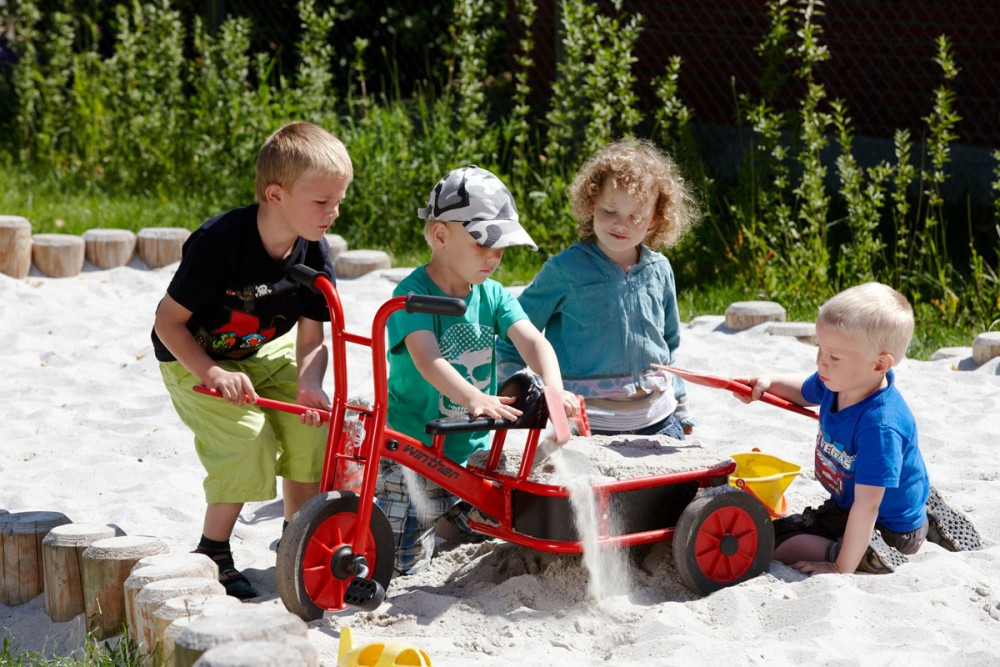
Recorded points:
(880, 558)
(234, 581)
(949, 527)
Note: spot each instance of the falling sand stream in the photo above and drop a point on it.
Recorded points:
(608, 567)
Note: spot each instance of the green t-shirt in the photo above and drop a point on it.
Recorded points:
(468, 343)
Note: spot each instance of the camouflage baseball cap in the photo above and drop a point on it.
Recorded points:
(483, 205)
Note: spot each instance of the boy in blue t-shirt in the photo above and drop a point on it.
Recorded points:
(440, 366)
(867, 455)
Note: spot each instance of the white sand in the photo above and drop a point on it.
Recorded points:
(87, 429)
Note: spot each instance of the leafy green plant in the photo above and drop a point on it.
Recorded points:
(474, 33)
(784, 212)
(935, 272)
(519, 129)
(312, 97)
(863, 191)
(162, 123)
(224, 126)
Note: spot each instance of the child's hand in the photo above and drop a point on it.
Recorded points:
(313, 397)
(235, 388)
(570, 403)
(758, 385)
(494, 407)
(684, 416)
(811, 568)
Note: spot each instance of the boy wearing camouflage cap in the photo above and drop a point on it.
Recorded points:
(441, 365)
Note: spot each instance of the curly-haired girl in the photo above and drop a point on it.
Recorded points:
(608, 304)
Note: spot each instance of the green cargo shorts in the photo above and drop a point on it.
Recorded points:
(243, 448)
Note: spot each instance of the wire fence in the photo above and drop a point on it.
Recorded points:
(882, 58)
(882, 51)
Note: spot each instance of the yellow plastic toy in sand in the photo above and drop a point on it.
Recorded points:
(378, 654)
(765, 477)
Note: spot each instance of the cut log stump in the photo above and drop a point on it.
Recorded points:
(804, 332)
(22, 573)
(105, 567)
(160, 246)
(155, 593)
(745, 314)
(338, 245)
(208, 632)
(176, 613)
(58, 255)
(174, 566)
(957, 352)
(169, 558)
(62, 557)
(260, 654)
(985, 347)
(354, 263)
(109, 248)
(15, 246)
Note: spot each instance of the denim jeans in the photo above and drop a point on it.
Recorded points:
(671, 426)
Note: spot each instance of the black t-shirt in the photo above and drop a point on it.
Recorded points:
(240, 297)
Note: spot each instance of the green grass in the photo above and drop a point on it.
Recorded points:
(56, 206)
(123, 653)
(931, 332)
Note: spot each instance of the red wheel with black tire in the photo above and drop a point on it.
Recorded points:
(722, 539)
(313, 541)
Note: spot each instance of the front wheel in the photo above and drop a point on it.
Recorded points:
(314, 538)
(721, 540)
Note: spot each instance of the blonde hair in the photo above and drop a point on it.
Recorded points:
(877, 314)
(299, 149)
(428, 226)
(642, 170)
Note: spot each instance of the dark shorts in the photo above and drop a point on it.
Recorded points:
(830, 521)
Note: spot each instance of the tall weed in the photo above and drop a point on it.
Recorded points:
(312, 96)
(783, 206)
(520, 130)
(146, 98)
(223, 127)
(863, 192)
(934, 274)
(474, 34)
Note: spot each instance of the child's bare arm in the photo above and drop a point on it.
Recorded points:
(787, 386)
(426, 354)
(860, 524)
(311, 355)
(537, 352)
(171, 326)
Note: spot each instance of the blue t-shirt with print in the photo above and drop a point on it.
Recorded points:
(467, 342)
(873, 442)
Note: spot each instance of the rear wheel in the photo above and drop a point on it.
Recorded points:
(721, 540)
(315, 538)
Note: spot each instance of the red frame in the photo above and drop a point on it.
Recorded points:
(485, 488)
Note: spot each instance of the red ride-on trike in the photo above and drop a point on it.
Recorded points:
(338, 550)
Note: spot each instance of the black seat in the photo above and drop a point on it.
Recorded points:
(529, 391)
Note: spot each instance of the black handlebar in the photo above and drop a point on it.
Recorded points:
(307, 276)
(434, 305)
